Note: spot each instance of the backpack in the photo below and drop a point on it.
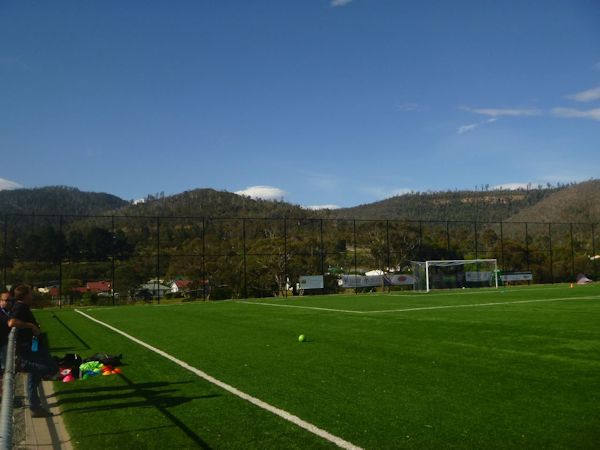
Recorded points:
(106, 359)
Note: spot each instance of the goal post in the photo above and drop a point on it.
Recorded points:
(454, 273)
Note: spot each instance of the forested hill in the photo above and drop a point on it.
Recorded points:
(491, 205)
(572, 203)
(577, 203)
(212, 203)
(57, 200)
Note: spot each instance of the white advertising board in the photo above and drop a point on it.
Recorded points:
(477, 277)
(311, 281)
(517, 276)
(354, 281)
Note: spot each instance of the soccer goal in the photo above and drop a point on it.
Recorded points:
(454, 274)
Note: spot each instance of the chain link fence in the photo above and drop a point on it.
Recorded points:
(123, 259)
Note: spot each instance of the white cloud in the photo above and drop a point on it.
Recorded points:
(511, 186)
(464, 128)
(498, 112)
(335, 3)
(407, 107)
(593, 114)
(7, 184)
(317, 207)
(380, 193)
(586, 96)
(470, 127)
(263, 192)
(597, 65)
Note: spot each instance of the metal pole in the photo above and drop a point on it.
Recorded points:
(204, 277)
(387, 243)
(594, 250)
(322, 256)
(112, 258)
(5, 252)
(244, 249)
(60, 258)
(157, 282)
(572, 252)
(8, 393)
(527, 245)
(355, 264)
(502, 245)
(550, 250)
(285, 256)
(476, 243)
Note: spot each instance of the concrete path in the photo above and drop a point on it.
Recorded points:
(47, 433)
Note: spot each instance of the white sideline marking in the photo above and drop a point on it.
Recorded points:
(423, 308)
(301, 307)
(474, 305)
(255, 401)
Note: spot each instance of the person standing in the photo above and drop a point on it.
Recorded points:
(4, 329)
(36, 359)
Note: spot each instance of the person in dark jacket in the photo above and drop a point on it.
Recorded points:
(33, 356)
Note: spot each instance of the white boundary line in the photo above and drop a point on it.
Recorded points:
(255, 401)
(301, 307)
(424, 308)
(475, 305)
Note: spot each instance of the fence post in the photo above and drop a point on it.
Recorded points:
(355, 261)
(502, 245)
(594, 250)
(572, 252)
(157, 283)
(204, 277)
(8, 393)
(244, 250)
(551, 253)
(322, 256)
(387, 243)
(60, 260)
(476, 242)
(112, 258)
(285, 256)
(5, 253)
(527, 245)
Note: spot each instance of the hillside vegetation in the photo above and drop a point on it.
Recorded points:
(57, 200)
(577, 203)
(481, 206)
(212, 203)
(573, 203)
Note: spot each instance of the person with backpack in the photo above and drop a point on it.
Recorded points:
(33, 356)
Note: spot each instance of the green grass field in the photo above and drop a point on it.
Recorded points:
(382, 371)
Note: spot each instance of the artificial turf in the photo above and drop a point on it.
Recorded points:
(514, 375)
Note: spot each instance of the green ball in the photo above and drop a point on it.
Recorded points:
(301, 338)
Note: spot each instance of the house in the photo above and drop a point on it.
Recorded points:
(180, 286)
(153, 288)
(96, 287)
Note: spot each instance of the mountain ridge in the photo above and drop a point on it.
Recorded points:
(570, 203)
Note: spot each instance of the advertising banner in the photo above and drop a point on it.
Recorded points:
(478, 277)
(355, 281)
(311, 281)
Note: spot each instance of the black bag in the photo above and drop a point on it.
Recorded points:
(106, 359)
(70, 360)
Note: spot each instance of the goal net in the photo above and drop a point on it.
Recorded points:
(454, 274)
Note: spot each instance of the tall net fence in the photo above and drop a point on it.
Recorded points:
(118, 259)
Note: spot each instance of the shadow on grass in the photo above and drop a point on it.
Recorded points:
(133, 395)
(97, 389)
(75, 335)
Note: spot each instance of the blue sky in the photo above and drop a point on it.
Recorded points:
(320, 102)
